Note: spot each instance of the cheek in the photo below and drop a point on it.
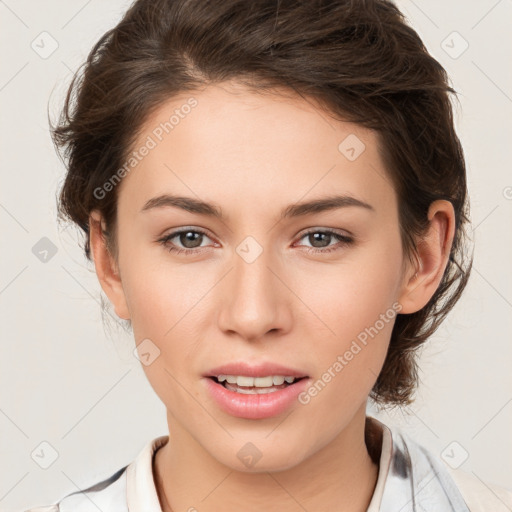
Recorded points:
(349, 361)
(348, 297)
(165, 306)
(160, 292)
(165, 303)
(354, 306)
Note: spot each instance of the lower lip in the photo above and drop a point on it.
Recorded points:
(255, 407)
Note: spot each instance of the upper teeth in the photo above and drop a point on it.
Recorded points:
(260, 382)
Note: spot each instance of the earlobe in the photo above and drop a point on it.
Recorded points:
(433, 252)
(106, 266)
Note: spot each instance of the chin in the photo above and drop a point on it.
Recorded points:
(260, 455)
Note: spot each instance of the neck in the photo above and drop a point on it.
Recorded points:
(344, 477)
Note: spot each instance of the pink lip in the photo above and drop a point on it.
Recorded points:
(254, 407)
(255, 370)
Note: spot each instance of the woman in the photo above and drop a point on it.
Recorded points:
(274, 196)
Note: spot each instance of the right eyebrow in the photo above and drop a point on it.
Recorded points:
(185, 203)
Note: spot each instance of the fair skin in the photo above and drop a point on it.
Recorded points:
(253, 155)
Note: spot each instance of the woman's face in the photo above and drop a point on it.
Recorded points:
(269, 282)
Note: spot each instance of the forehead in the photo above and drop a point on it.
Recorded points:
(230, 144)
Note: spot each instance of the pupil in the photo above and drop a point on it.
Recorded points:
(188, 237)
(317, 237)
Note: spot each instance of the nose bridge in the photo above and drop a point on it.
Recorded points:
(254, 302)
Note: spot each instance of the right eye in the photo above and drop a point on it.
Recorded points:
(186, 237)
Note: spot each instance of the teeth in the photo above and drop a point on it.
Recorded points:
(251, 391)
(259, 382)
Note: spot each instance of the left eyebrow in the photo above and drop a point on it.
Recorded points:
(193, 205)
(324, 204)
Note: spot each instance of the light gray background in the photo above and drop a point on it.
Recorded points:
(64, 381)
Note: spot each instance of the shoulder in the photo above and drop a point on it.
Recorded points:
(414, 478)
(129, 488)
(458, 486)
(481, 496)
(107, 495)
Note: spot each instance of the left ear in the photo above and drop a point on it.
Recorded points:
(433, 254)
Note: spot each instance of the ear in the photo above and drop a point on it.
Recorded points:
(106, 266)
(433, 255)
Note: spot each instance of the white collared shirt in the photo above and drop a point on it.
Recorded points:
(410, 479)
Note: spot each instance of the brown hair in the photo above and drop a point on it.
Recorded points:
(358, 58)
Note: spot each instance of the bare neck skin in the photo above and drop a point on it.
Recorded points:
(339, 476)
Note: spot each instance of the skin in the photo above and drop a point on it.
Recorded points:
(253, 155)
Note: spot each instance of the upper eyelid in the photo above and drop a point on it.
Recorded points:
(185, 229)
(335, 231)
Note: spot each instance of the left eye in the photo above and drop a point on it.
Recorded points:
(323, 237)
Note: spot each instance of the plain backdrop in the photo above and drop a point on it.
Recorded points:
(75, 404)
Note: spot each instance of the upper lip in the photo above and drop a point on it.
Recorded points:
(262, 369)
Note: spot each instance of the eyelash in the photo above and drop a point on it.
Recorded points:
(343, 241)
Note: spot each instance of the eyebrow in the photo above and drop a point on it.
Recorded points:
(193, 205)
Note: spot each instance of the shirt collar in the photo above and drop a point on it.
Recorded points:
(141, 492)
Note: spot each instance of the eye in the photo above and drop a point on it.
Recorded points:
(323, 238)
(190, 238)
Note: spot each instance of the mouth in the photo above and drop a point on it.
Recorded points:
(256, 397)
(254, 390)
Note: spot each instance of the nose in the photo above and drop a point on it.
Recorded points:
(255, 299)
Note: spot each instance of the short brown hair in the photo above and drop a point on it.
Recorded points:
(358, 58)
